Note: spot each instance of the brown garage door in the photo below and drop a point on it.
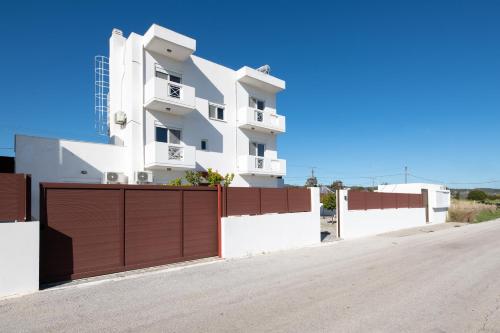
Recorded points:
(89, 230)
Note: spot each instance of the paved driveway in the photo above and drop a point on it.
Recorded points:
(442, 281)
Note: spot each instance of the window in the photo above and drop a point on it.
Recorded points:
(257, 103)
(215, 112)
(204, 144)
(162, 73)
(161, 134)
(168, 135)
(257, 149)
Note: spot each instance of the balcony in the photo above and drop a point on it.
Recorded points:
(168, 43)
(160, 155)
(256, 165)
(261, 120)
(259, 80)
(166, 96)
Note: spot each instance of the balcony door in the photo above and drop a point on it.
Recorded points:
(257, 149)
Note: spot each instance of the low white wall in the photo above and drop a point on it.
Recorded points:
(19, 257)
(57, 160)
(361, 223)
(250, 235)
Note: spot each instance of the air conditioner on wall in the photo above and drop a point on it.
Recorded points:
(114, 178)
(143, 177)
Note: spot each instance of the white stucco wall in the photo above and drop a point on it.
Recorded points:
(57, 160)
(361, 223)
(19, 258)
(250, 235)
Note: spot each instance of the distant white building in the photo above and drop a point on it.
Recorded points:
(170, 111)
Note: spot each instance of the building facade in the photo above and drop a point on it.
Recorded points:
(174, 111)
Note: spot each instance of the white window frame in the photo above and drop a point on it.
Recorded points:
(217, 106)
(169, 128)
(257, 100)
(257, 149)
(160, 69)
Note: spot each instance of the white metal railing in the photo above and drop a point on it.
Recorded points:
(249, 164)
(174, 90)
(161, 154)
(175, 153)
(261, 119)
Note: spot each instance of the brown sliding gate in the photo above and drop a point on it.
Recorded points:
(89, 229)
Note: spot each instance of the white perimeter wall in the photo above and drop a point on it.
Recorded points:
(19, 253)
(361, 223)
(250, 235)
(55, 160)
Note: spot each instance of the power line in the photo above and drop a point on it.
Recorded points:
(457, 183)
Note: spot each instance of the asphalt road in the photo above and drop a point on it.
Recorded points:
(442, 281)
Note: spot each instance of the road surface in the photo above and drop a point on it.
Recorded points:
(442, 281)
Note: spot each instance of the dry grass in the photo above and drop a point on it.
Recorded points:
(468, 211)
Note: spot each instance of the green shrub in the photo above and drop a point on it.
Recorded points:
(175, 182)
(194, 178)
(213, 177)
(228, 179)
(477, 195)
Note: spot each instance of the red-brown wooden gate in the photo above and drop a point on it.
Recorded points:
(89, 229)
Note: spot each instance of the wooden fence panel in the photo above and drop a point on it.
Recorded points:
(153, 226)
(242, 201)
(358, 200)
(299, 200)
(15, 197)
(200, 224)
(81, 234)
(273, 200)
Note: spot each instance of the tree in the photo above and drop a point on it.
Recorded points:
(329, 201)
(477, 195)
(228, 179)
(337, 185)
(312, 182)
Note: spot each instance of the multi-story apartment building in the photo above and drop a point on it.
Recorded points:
(174, 111)
(169, 111)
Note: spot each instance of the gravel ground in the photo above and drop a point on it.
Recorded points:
(416, 281)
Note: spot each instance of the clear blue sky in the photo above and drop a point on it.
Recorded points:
(372, 86)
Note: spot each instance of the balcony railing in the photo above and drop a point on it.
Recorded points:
(257, 165)
(167, 96)
(159, 155)
(261, 120)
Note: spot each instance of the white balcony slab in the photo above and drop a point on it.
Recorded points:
(169, 43)
(261, 120)
(256, 165)
(160, 155)
(260, 80)
(163, 95)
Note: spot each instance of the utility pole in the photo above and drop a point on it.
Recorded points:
(406, 175)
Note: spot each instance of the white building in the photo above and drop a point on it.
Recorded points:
(170, 111)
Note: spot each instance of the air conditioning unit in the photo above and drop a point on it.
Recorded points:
(120, 118)
(143, 177)
(114, 178)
